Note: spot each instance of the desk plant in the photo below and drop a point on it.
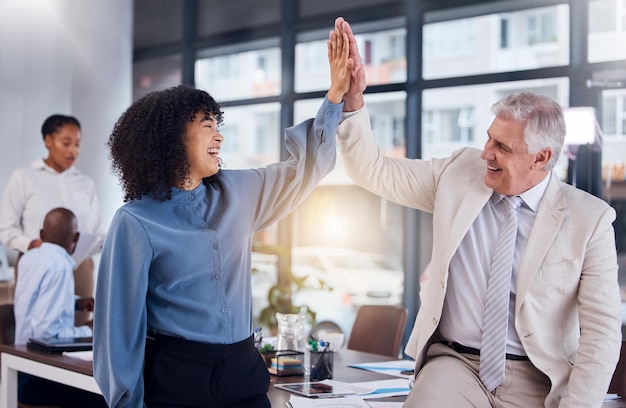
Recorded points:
(268, 352)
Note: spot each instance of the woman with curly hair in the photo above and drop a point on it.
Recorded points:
(173, 321)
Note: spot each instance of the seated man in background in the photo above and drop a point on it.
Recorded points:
(45, 305)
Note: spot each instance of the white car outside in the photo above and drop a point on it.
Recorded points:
(361, 277)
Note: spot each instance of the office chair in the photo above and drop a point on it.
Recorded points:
(618, 382)
(378, 329)
(7, 324)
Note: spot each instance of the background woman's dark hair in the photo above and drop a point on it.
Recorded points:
(146, 146)
(55, 122)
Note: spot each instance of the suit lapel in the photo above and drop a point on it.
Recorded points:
(471, 204)
(545, 228)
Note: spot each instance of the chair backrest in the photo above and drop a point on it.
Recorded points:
(378, 329)
(7, 324)
(618, 382)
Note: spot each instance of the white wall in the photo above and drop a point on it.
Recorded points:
(70, 57)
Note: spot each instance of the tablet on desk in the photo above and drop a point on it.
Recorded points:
(61, 344)
(315, 389)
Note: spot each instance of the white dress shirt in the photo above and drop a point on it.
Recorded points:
(34, 190)
(462, 316)
(44, 301)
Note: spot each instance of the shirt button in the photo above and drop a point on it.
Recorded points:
(224, 310)
(215, 245)
(435, 321)
(442, 285)
(218, 277)
(203, 225)
(190, 197)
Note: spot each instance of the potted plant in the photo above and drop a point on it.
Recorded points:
(268, 352)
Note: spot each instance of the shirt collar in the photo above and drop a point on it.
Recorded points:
(531, 197)
(188, 196)
(40, 164)
(48, 246)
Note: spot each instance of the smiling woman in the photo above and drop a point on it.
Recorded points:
(175, 269)
(202, 144)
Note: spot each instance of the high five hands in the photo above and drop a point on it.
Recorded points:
(354, 96)
(340, 65)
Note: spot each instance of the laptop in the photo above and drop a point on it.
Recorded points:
(60, 344)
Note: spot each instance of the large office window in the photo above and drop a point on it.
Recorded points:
(251, 73)
(251, 136)
(472, 55)
(607, 30)
(525, 39)
(383, 52)
(456, 117)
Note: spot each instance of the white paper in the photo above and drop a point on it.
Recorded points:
(393, 368)
(82, 355)
(87, 245)
(384, 388)
(339, 402)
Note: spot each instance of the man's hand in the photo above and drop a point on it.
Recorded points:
(84, 304)
(354, 96)
(340, 66)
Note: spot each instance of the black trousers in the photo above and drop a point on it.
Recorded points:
(181, 373)
(33, 390)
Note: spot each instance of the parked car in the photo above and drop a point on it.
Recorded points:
(361, 277)
(332, 307)
(336, 282)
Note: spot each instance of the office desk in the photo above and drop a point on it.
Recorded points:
(79, 373)
(56, 367)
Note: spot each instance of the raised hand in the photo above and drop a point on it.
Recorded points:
(354, 96)
(340, 66)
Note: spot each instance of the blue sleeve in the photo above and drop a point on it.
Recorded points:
(311, 146)
(120, 312)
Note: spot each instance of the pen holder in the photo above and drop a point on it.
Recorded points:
(321, 365)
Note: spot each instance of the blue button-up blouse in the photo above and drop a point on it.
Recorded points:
(182, 267)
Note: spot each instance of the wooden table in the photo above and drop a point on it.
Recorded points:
(79, 373)
(56, 367)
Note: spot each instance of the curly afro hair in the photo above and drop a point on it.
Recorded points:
(146, 145)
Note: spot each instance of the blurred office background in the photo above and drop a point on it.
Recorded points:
(434, 67)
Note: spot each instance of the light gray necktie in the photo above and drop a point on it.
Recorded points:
(495, 320)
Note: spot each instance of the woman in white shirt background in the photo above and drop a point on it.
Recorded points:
(50, 182)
